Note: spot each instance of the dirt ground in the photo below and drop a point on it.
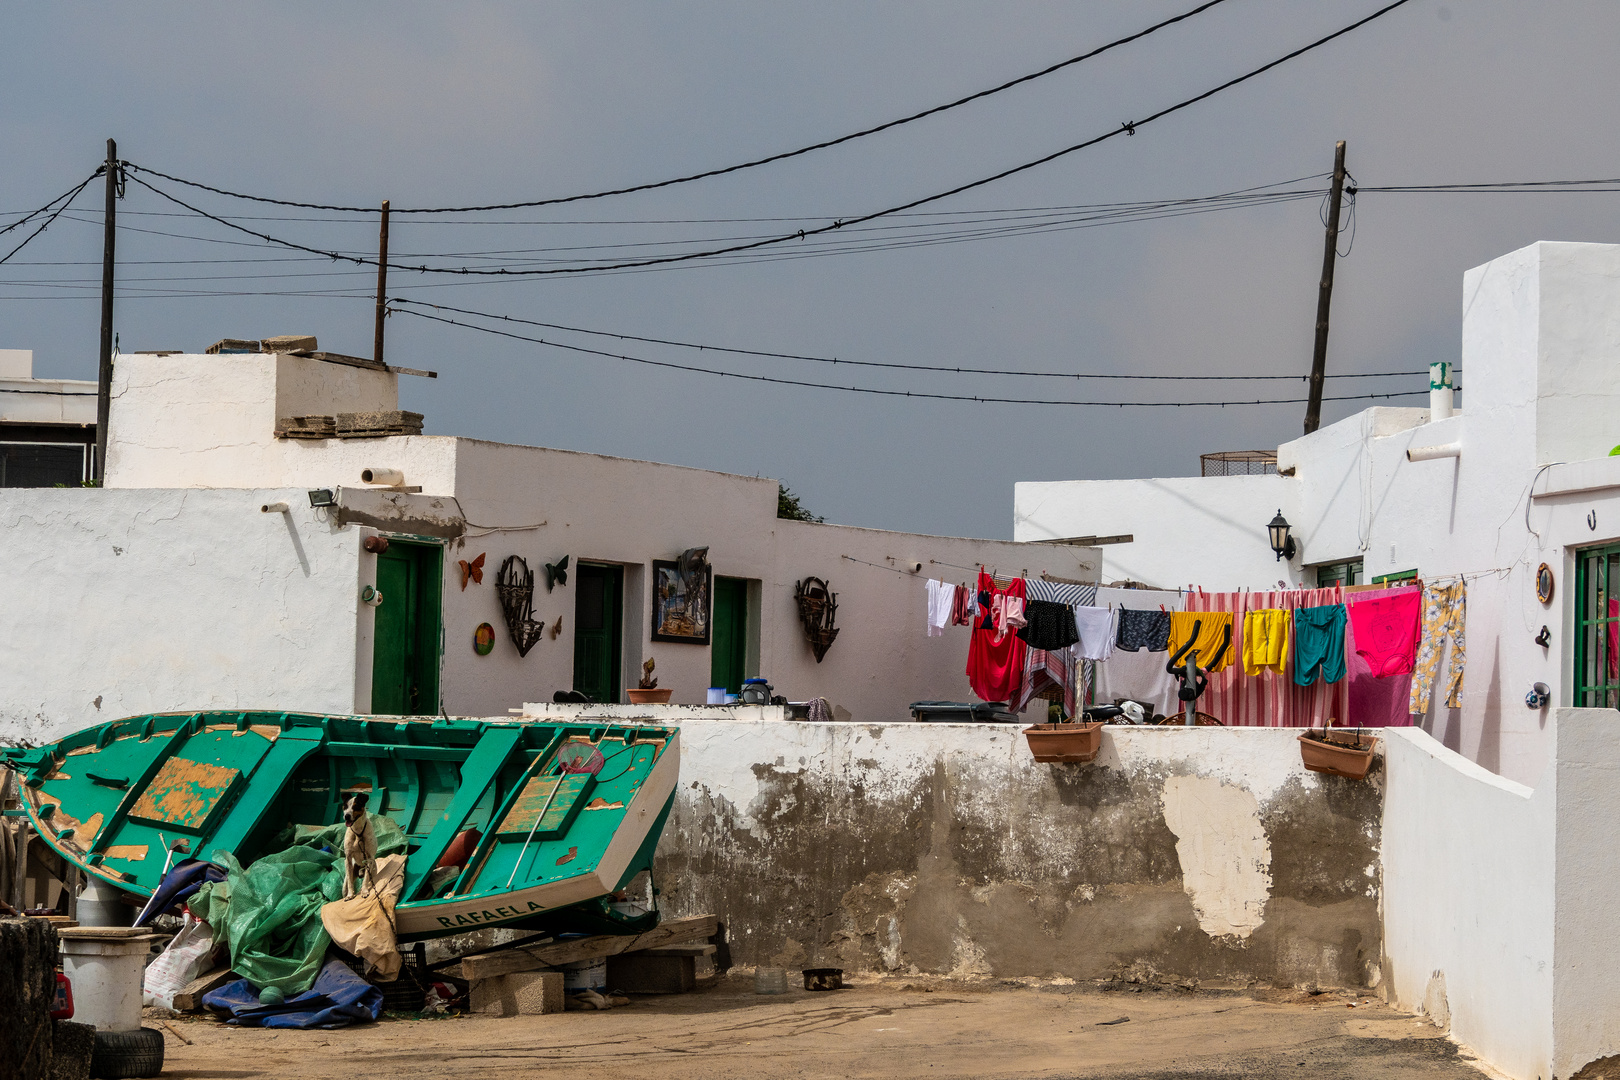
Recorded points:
(878, 1027)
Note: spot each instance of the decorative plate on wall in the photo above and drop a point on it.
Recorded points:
(483, 639)
(1544, 583)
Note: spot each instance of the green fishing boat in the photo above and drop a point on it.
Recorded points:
(506, 823)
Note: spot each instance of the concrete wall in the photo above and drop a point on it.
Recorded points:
(42, 401)
(1204, 853)
(1222, 519)
(1496, 914)
(125, 602)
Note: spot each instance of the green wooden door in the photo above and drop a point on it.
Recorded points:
(405, 652)
(598, 619)
(729, 651)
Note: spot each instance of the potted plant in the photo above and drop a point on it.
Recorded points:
(1349, 756)
(1070, 741)
(647, 693)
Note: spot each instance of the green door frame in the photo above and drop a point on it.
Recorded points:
(728, 649)
(407, 636)
(599, 633)
(1595, 573)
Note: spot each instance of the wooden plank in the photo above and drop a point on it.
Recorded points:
(191, 997)
(695, 949)
(489, 965)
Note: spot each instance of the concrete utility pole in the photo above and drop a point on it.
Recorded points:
(1324, 298)
(382, 285)
(104, 372)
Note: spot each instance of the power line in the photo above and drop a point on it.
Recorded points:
(69, 196)
(1128, 128)
(881, 364)
(729, 168)
(882, 392)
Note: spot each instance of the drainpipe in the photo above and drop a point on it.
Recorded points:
(1429, 453)
(1439, 392)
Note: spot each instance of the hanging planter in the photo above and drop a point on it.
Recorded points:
(1065, 742)
(1349, 756)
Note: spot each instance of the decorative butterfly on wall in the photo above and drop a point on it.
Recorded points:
(557, 573)
(472, 571)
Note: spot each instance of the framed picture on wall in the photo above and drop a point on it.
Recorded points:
(681, 607)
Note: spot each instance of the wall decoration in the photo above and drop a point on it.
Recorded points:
(1544, 583)
(680, 601)
(515, 586)
(473, 571)
(484, 639)
(557, 573)
(818, 607)
(556, 628)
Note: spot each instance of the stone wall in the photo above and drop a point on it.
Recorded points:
(27, 988)
(1204, 854)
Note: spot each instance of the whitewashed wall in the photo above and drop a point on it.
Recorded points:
(1205, 530)
(1496, 912)
(125, 602)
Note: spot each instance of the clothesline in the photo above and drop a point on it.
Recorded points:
(880, 566)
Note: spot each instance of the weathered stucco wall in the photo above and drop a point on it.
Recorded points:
(1207, 854)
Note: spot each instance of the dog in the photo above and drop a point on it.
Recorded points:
(359, 845)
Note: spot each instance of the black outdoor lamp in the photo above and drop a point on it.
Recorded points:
(1281, 542)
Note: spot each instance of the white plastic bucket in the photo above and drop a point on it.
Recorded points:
(585, 975)
(106, 978)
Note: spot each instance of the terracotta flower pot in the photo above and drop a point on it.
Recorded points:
(1337, 758)
(639, 696)
(1064, 742)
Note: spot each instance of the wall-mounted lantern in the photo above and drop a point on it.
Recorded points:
(1281, 542)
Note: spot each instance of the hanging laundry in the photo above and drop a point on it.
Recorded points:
(940, 599)
(1059, 592)
(1374, 701)
(995, 666)
(1270, 699)
(1213, 628)
(1614, 639)
(1386, 632)
(1046, 670)
(1443, 614)
(1148, 630)
(1048, 626)
(1319, 644)
(1265, 640)
(1096, 628)
(962, 607)
(1136, 676)
(1008, 614)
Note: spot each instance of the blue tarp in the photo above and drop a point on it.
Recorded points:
(179, 885)
(338, 998)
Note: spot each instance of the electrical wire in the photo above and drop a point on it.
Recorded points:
(70, 196)
(883, 392)
(729, 168)
(1128, 128)
(903, 367)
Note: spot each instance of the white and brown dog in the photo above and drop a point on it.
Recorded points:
(359, 845)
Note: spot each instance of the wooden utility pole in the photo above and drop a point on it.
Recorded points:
(109, 241)
(1324, 298)
(382, 285)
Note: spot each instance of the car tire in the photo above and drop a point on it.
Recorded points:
(127, 1053)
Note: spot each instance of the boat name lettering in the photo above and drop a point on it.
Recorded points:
(500, 914)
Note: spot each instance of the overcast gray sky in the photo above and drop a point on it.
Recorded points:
(435, 104)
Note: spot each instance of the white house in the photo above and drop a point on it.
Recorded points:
(47, 426)
(1520, 478)
(206, 574)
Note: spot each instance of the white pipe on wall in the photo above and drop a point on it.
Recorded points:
(1429, 453)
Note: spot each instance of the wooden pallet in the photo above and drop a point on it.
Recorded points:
(538, 957)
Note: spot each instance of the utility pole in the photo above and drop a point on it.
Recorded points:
(1324, 298)
(382, 285)
(109, 229)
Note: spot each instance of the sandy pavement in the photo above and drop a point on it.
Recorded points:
(879, 1027)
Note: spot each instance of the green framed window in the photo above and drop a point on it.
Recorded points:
(1339, 573)
(1395, 578)
(1597, 627)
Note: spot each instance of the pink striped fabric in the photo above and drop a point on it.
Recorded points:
(1269, 699)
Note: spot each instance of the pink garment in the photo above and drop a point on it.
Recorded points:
(1269, 699)
(1614, 640)
(1008, 612)
(1386, 630)
(1374, 701)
